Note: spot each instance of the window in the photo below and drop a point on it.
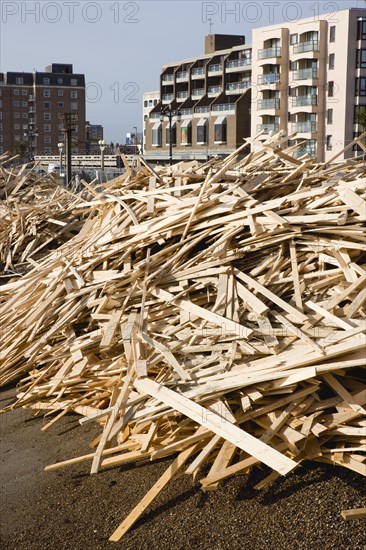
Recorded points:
(145, 103)
(74, 106)
(150, 103)
(332, 34)
(24, 115)
(74, 95)
(47, 105)
(16, 92)
(329, 143)
(331, 88)
(73, 82)
(358, 109)
(155, 102)
(47, 150)
(47, 116)
(16, 126)
(156, 134)
(47, 127)
(360, 87)
(24, 92)
(361, 29)
(220, 130)
(60, 93)
(46, 81)
(47, 139)
(330, 116)
(60, 104)
(293, 38)
(60, 126)
(331, 60)
(16, 103)
(24, 103)
(361, 59)
(61, 138)
(186, 132)
(60, 81)
(16, 115)
(19, 80)
(16, 138)
(202, 131)
(46, 93)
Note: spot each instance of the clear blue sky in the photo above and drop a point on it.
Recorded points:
(120, 46)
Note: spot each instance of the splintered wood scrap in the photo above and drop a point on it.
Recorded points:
(215, 310)
(355, 513)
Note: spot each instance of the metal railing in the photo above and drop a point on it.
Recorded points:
(269, 78)
(182, 74)
(268, 128)
(309, 126)
(223, 107)
(265, 53)
(238, 63)
(272, 103)
(182, 94)
(198, 70)
(310, 46)
(237, 86)
(168, 78)
(214, 68)
(304, 100)
(198, 91)
(214, 89)
(305, 74)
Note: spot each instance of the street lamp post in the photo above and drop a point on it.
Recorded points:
(170, 113)
(102, 146)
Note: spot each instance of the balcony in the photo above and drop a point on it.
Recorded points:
(182, 95)
(198, 72)
(31, 110)
(303, 127)
(237, 87)
(224, 107)
(312, 46)
(272, 103)
(214, 90)
(269, 78)
(216, 68)
(266, 53)
(182, 75)
(305, 151)
(267, 128)
(168, 97)
(235, 63)
(31, 98)
(168, 78)
(202, 109)
(198, 92)
(305, 74)
(304, 100)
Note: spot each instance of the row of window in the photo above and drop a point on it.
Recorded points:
(19, 80)
(47, 93)
(220, 133)
(150, 102)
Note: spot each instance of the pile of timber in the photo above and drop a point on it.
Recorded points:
(216, 311)
(36, 215)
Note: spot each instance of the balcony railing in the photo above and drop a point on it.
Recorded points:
(237, 86)
(186, 111)
(269, 52)
(182, 75)
(202, 109)
(182, 94)
(305, 151)
(198, 71)
(198, 91)
(32, 110)
(214, 89)
(272, 103)
(168, 97)
(304, 100)
(303, 127)
(311, 46)
(305, 74)
(268, 128)
(215, 68)
(223, 107)
(168, 78)
(269, 78)
(31, 98)
(238, 63)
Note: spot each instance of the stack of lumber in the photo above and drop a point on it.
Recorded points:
(214, 311)
(36, 215)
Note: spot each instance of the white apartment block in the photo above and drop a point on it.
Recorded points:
(310, 78)
(150, 100)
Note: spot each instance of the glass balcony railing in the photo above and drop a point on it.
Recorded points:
(303, 127)
(202, 109)
(198, 71)
(311, 46)
(224, 107)
(168, 97)
(304, 100)
(214, 89)
(305, 74)
(268, 128)
(238, 63)
(168, 78)
(182, 95)
(198, 92)
(269, 52)
(237, 86)
(182, 74)
(186, 111)
(269, 78)
(305, 151)
(272, 103)
(215, 68)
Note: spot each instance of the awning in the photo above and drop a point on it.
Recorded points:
(220, 120)
(186, 123)
(202, 122)
(156, 126)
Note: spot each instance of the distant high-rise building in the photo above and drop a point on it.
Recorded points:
(32, 105)
(94, 133)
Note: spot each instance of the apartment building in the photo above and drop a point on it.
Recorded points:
(150, 100)
(31, 108)
(210, 98)
(93, 134)
(310, 78)
(307, 77)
